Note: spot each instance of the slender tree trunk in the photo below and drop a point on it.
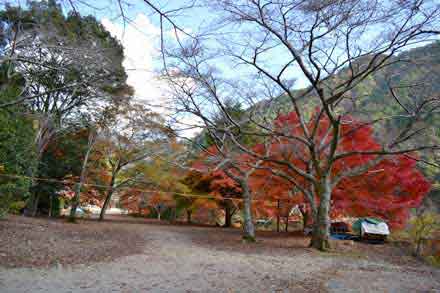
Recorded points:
(32, 203)
(228, 214)
(50, 205)
(45, 133)
(188, 216)
(76, 198)
(106, 202)
(249, 228)
(287, 224)
(35, 204)
(305, 216)
(109, 193)
(75, 201)
(321, 223)
(173, 215)
(29, 205)
(278, 216)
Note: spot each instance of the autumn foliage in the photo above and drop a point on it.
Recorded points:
(386, 190)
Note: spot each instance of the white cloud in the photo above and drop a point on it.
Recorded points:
(141, 41)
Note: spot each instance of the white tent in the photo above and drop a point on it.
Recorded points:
(380, 228)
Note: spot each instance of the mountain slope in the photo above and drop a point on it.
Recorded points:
(418, 77)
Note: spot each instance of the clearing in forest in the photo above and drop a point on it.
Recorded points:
(136, 255)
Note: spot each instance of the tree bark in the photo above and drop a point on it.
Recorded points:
(32, 203)
(321, 223)
(305, 215)
(43, 137)
(106, 203)
(278, 216)
(50, 205)
(249, 228)
(248, 225)
(228, 214)
(109, 193)
(75, 202)
(305, 219)
(188, 216)
(35, 204)
(76, 198)
(173, 215)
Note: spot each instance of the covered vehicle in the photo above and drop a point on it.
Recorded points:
(371, 229)
(341, 231)
(339, 228)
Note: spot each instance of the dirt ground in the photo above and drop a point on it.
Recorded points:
(137, 255)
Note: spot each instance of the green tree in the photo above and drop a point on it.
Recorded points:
(71, 67)
(17, 157)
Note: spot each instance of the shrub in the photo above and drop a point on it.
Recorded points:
(6, 196)
(3, 212)
(433, 260)
(16, 207)
(423, 228)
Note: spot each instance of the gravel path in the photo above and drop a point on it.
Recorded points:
(173, 262)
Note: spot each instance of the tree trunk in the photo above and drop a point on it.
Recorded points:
(173, 215)
(106, 203)
(75, 202)
(248, 225)
(50, 205)
(287, 224)
(305, 216)
(418, 249)
(35, 205)
(32, 203)
(76, 198)
(188, 216)
(321, 223)
(228, 214)
(45, 133)
(109, 194)
(249, 229)
(320, 233)
(278, 215)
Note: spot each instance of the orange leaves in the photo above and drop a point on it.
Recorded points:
(158, 198)
(387, 190)
(308, 149)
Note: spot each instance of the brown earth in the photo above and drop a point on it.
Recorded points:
(137, 255)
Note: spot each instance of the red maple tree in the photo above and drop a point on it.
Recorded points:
(388, 190)
(207, 179)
